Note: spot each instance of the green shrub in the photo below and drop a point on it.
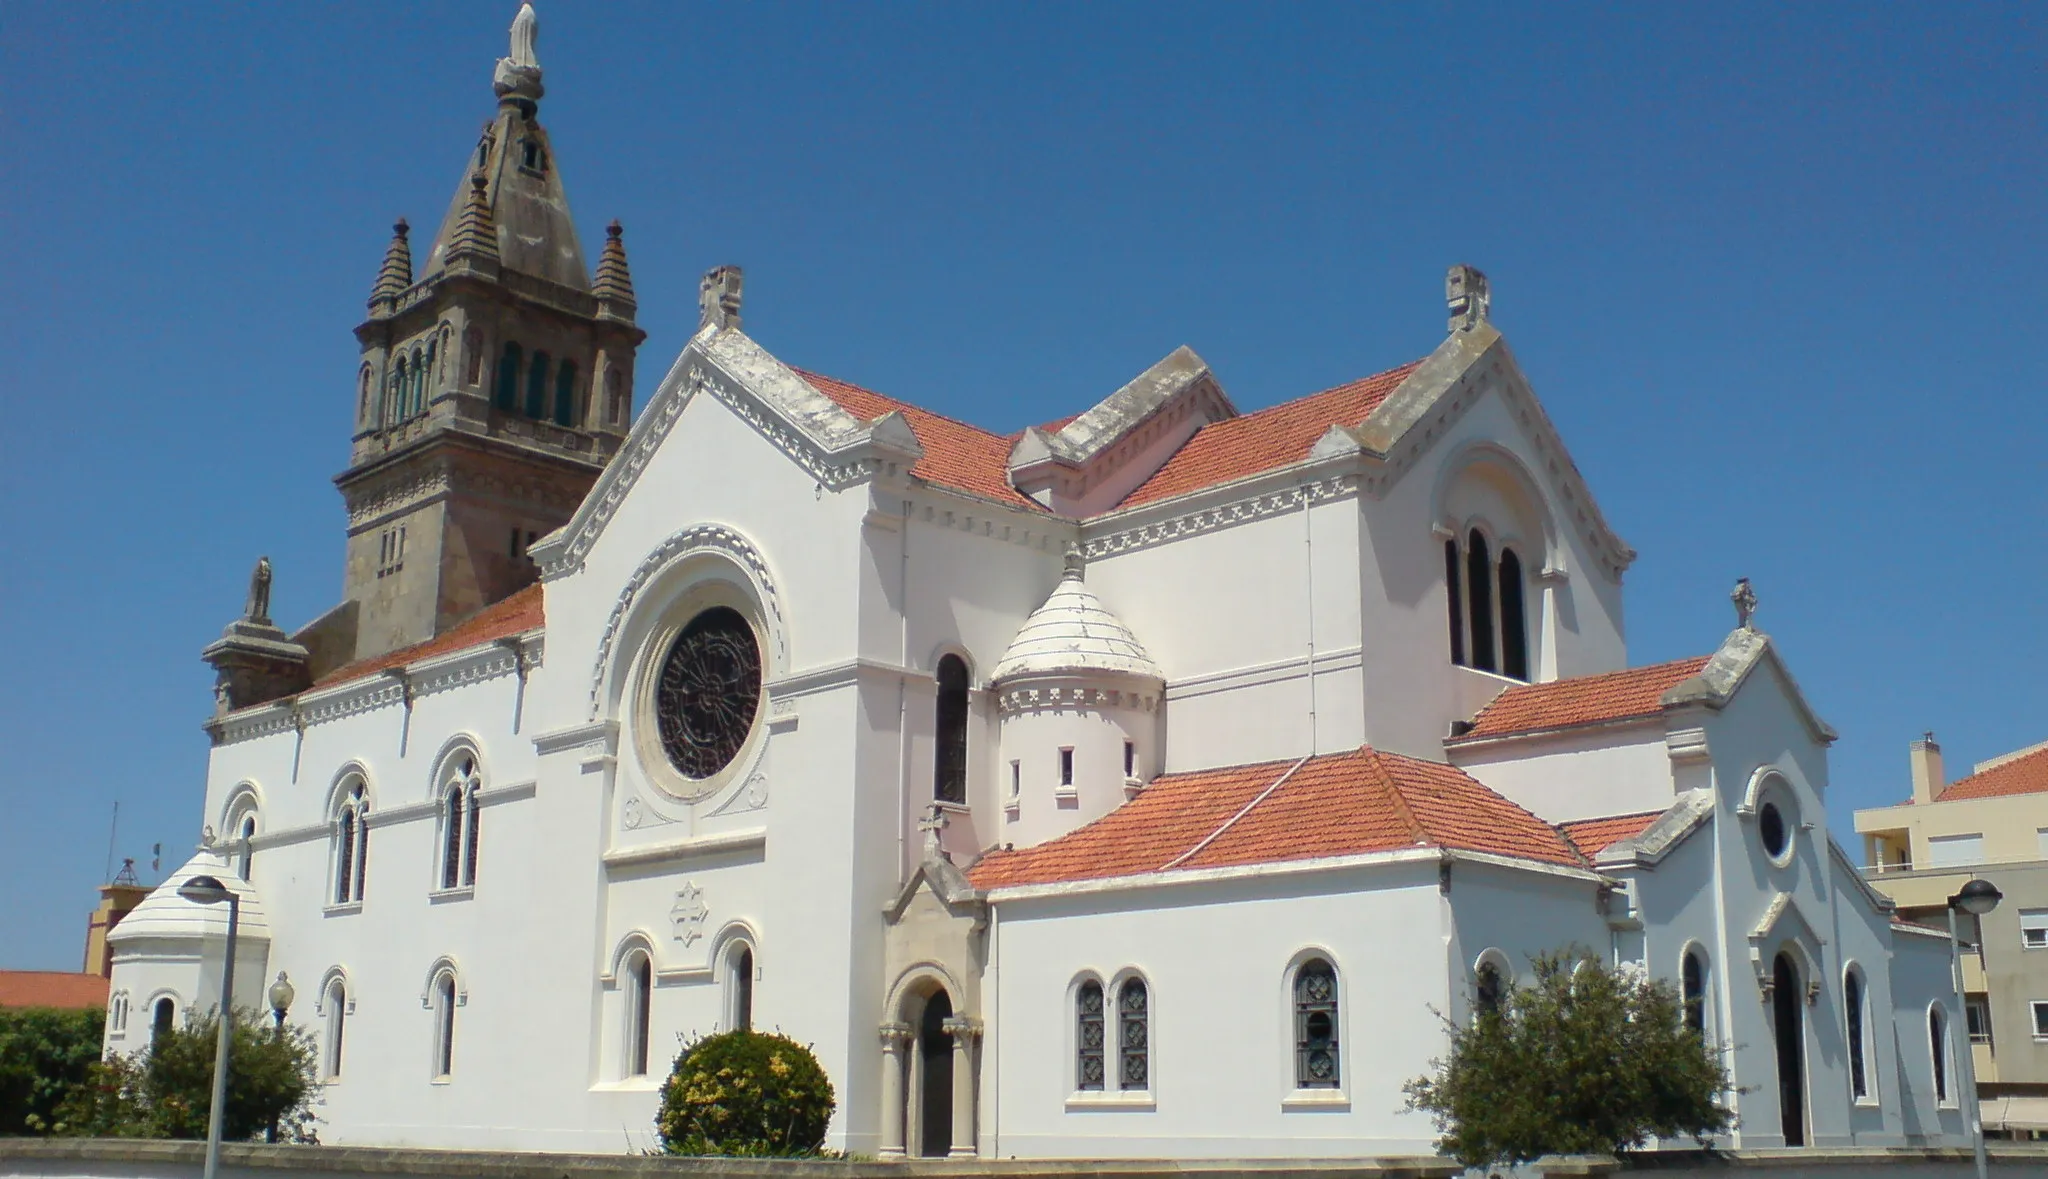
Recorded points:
(45, 1053)
(1584, 1060)
(166, 1090)
(745, 1093)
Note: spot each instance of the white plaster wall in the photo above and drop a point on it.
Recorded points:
(1577, 775)
(1519, 913)
(1033, 739)
(1216, 957)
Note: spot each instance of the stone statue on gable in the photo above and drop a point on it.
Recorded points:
(257, 609)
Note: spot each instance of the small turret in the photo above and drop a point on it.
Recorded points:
(475, 239)
(396, 274)
(614, 283)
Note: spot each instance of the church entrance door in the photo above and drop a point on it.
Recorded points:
(1789, 1030)
(935, 1095)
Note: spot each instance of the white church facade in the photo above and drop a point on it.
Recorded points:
(1135, 785)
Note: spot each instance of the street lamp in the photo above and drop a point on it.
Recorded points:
(208, 890)
(281, 993)
(1977, 898)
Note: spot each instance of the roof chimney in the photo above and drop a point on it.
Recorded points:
(1925, 757)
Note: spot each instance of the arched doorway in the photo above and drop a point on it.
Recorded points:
(1790, 1033)
(935, 1078)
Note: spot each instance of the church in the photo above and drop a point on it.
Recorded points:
(1139, 784)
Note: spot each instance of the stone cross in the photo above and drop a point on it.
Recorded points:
(718, 298)
(934, 822)
(1745, 604)
(257, 609)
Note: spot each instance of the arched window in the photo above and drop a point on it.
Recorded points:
(459, 814)
(430, 370)
(162, 1017)
(740, 984)
(1088, 1068)
(1479, 589)
(1852, 1010)
(394, 395)
(363, 394)
(417, 402)
(949, 758)
(537, 387)
(1692, 990)
(507, 398)
(1514, 622)
(1488, 989)
(336, 1003)
(1937, 1045)
(472, 356)
(444, 1025)
(565, 394)
(639, 1011)
(614, 396)
(1454, 594)
(351, 844)
(1133, 1036)
(1316, 1057)
(247, 838)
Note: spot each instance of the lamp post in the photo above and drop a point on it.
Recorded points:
(208, 890)
(281, 994)
(1977, 898)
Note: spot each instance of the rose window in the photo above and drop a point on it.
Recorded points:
(708, 692)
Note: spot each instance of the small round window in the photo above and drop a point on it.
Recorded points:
(708, 692)
(1770, 827)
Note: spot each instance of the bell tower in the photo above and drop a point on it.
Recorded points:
(492, 389)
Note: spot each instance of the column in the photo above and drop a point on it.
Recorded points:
(894, 1037)
(964, 1032)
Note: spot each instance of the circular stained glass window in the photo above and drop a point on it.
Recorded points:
(708, 692)
(1770, 826)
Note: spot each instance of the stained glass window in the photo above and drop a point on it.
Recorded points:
(1133, 1037)
(1088, 1036)
(949, 762)
(1315, 1026)
(708, 692)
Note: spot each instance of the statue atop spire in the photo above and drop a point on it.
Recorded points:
(517, 78)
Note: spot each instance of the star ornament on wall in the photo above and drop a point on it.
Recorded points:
(688, 914)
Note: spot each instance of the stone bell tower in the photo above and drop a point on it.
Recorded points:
(493, 388)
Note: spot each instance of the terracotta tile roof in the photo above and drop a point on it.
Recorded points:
(1593, 836)
(1582, 700)
(1334, 805)
(518, 613)
(51, 988)
(1242, 446)
(2027, 774)
(956, 455)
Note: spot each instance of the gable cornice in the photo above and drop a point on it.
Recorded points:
(1742, 652)
(834, 447)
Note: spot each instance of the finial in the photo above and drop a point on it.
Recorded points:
(718, 298)
(257, 608)
(1745, 603)
(614, 282)
(935, 821)
(1076, 564)
(475, 235)
(1466, 294)
(396, 274)
(517, 77)
(614, 230)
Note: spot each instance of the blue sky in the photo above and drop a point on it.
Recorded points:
(1773, 271)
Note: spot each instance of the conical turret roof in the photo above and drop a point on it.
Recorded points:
(614, 280)
(475, 236)
(396, 273)
(1074, 633)
(165, 914)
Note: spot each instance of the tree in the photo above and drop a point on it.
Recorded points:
(1583, 1060)
(748, 1093)
(45, 1053)
(166, 1090)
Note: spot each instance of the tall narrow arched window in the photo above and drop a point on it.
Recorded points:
(1479, 591)
(537, 387)
(162, 1018)
(507, 397)
(1852, 1010)
(1692, 991)
(351, 844)
(949, 757)
(1316, 1059)
(1088, 1064)
(429, 371)
(1454, 595)
(1937, 1046)
(1514, 619)
(614, 396)
(363, 383)
(459, 822)
(472, 356)
(565, 394)
(247, 838)
(444, 1025)
(1488, 989)
(639, 1011)
(394, 395)
(418, 401)
(1133, 1035)
(743, 988)
(336, 1004)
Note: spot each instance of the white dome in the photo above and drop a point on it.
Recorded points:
(165, 914)
(1075, 633)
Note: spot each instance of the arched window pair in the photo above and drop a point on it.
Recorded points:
(949, 755)
(352, 843)
(1133, 1040)
(117, 1013)
(460, 815)
(1488, 611)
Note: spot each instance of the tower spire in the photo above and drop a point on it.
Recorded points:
(614, 280)
(476, 237)
(396, 273)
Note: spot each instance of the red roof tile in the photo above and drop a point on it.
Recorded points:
(1236, 448)
(956, 455)
(521, 612)
(1334, 805)
(1583, 700)
(51, 988)
(1593, 836)
(2027, 774)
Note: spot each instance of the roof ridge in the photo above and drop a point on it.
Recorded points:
(1247, 414)
(1230, 822)
(1398, 800)
(902, 404)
